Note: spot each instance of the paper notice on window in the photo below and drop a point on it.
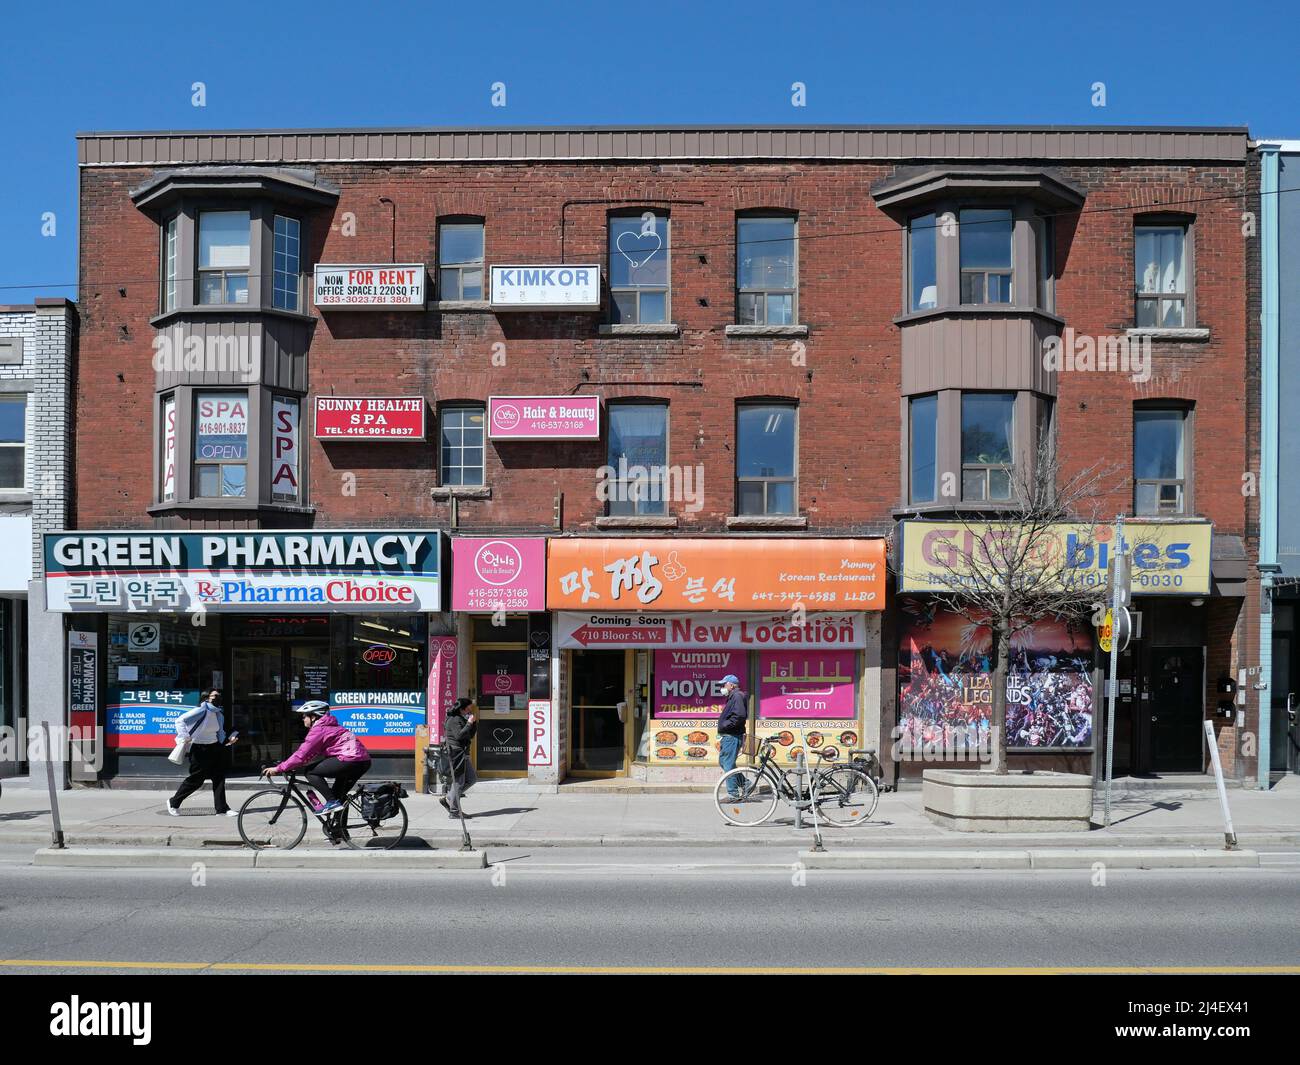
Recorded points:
(128, 673)
(501, 704)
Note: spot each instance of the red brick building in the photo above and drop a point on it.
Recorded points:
(841, 328)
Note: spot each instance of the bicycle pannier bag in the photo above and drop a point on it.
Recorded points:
(379, 801)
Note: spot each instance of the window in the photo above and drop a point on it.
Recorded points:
(223, 256)
(221, 445)
(1158, 462)
(922, 285)
(460, 261)
(985, 255)
(288, 275)
(13, 441)
(638, 269)
(765, 459)
(766, 271)
(922, 448)
(169, 264)
(1046, 234)
(1160, 271)
(986, 445)
(462, 446)
(638, 458)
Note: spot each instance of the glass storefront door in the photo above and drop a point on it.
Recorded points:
(597, 731)
(500, 744)
(267, 682)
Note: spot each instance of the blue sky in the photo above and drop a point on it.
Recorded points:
(285, 63)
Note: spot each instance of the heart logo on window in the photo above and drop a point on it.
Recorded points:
(636, 265)
(503, 735)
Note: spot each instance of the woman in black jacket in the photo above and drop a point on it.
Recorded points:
(459, 732)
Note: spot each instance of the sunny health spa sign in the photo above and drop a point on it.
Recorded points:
(543, 288)
(369, 286)
(247, 571)
(350, 418)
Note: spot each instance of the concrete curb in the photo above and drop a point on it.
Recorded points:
(244, 858)
(1054, 858)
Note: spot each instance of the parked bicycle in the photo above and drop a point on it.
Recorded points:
(843, 793)
(372, 818)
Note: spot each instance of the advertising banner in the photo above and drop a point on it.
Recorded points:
(802, 685)
(539, 732)
(616, 573)
(498, 574)
(83, 681)
(285, 450)
(220, 426)
(688, 740)
(689, 683)
(350, 418)
(539, 288)
(145, 718)
(250, 572)
(444, 680)
(370, 286)
(575, 629)
(945, 694)
(544, 417)
(382, 720)
(1166, 558)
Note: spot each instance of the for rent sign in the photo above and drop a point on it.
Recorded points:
(540, 288)
(219, 572)
(345, 418)
(370, 286)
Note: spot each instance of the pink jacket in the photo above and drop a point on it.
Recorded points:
(325, 739)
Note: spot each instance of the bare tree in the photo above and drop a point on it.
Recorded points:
(1011, 571)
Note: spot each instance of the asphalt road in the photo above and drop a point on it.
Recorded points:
(561, 911)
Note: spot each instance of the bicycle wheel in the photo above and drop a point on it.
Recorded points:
(756, 801)
(362, 833)
(845, 796)
(272, 819)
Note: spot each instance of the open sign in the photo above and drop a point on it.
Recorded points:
(378, 656)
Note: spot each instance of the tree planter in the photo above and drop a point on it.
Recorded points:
(975, 801)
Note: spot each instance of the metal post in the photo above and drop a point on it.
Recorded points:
(817, 828)
(1113, 684)
(57, 834)
(1229, 833)
(798, 790)
(453, 789)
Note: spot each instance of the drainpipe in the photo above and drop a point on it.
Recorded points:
(1268, 474)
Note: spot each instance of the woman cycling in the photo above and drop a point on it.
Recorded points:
(329, 750)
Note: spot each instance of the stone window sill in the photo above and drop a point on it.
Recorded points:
(458, 306)
(636, 521)
(767, 521)
(15, 495)
(767, 330)
(1168, 334)
(462, 491)
(637, 330)
(243, 505)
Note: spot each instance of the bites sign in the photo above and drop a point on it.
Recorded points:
(379, 286)
(343, 418)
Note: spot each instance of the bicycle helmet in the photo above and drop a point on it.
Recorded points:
(315, 706)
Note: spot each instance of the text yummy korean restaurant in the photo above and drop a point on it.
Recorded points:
(645, 630)
(271, 619)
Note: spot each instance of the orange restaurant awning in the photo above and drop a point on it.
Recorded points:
(630, 573)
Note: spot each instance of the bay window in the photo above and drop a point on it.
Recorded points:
(221, 445)
(987, 443)
(986, 257)
(224, 256)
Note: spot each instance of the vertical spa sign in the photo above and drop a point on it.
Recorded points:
(285, 476)
(168, 487)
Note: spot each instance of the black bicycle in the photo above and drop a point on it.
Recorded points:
(372, 817)
(844, 793)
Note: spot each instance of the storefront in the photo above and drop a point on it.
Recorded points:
(1183, 610)
(271, 619)
(645, 630)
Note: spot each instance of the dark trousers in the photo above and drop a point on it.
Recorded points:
(208, 761)
(345, 774)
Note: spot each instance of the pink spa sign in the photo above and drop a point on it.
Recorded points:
(500, 573)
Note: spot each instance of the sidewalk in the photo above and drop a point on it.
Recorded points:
(516, 816)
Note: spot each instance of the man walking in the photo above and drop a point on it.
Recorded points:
(732, 725)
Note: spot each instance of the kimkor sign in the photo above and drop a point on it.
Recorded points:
(370, 286)
(340, 418)
(542, 288)
(224, 572)
(544, 417)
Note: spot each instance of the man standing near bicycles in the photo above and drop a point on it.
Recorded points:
(329, 750)
(732, 724)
